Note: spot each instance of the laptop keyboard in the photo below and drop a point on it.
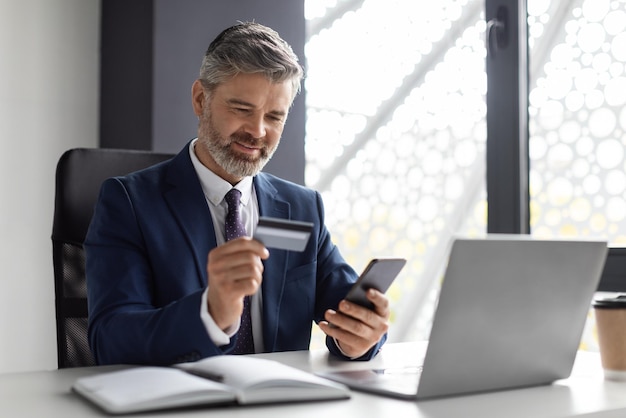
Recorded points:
(402, 379)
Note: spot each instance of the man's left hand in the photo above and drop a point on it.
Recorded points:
(356, 328)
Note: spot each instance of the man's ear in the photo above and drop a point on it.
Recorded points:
(198, 97)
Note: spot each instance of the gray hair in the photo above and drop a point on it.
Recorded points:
(250, 48)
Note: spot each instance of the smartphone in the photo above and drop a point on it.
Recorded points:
(379, 274)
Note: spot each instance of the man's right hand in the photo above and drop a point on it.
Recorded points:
(234, 270)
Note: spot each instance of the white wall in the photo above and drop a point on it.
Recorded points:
(49, 75)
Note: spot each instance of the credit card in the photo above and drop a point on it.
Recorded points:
(283, 234)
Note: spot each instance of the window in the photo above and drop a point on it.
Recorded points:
(395, 135)
(578, 118)
(396, 130)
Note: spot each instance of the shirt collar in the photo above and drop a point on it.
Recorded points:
(215, 187)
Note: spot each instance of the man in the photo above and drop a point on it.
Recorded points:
(165, 282)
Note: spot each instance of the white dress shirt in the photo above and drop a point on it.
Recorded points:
(215, 188)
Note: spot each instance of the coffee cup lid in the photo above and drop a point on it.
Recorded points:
(611, 303)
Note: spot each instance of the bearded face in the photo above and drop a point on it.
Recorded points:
(241, 122)
(224, 152)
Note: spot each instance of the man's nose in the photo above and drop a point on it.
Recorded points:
(256, 127)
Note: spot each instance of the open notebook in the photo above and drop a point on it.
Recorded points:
(511, 313)
(217, 380)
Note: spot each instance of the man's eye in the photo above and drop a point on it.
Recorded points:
(275, 118)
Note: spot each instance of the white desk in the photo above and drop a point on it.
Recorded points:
(585, 394)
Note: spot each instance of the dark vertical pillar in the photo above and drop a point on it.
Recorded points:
(126, 73)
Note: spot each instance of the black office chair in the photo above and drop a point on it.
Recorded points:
(80, 173)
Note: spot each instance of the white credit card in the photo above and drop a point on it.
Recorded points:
(283, 234)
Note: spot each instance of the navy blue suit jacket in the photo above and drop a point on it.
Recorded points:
(146, 254)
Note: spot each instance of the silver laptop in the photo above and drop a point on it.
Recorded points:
(510, 314)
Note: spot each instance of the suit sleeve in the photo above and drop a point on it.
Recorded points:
(129, 321)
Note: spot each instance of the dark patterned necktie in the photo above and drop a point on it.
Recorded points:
(234, 228)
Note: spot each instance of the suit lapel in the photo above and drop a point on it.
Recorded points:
(185, 198)
(271, 204)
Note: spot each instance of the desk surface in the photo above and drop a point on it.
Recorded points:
(584, 394)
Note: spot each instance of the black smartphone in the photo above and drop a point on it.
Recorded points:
(379, 274)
